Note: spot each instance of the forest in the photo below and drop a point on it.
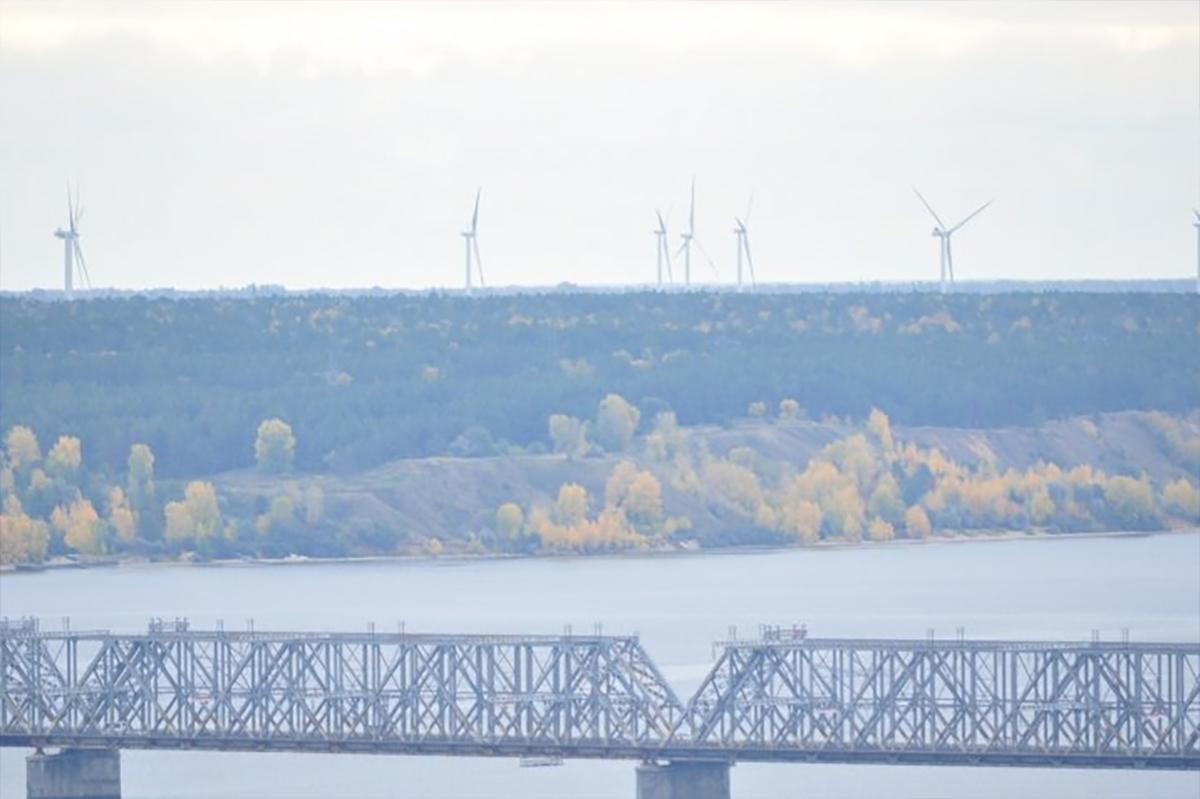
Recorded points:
(366, 380)
(270, 426)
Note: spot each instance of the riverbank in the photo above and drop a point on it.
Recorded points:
(66, 563)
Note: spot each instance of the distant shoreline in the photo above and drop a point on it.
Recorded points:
(303, 560)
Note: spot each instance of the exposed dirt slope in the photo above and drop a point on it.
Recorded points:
(451, 498)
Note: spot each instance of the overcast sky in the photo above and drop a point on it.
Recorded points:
(221, 144)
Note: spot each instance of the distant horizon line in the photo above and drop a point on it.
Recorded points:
(1181, 285)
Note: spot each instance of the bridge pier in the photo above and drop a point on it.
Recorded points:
(683, 779)
(74, 774)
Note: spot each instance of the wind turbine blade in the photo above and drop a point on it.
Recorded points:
(667, 258)
(682, 247)
(929, 208)
(662, 226)
(700, 247)
(478, 261)
(749, 259)
(1196, 211)
(475, 213)
(87, 279)
(970, 216)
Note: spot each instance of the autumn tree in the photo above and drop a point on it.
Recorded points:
(757, 409)
(916, 522)
(1131, 501)
(636, 493)
(81, 527)
(22, 448)
(571, 508)
(274, 446)
(197, 517)
(1182, 498)
(885, 501)
(879, 530)
(120, 516)
(789, 409)
(65, 458)
(510, 519)
(616, 423)
(881, 427)
(23, 539)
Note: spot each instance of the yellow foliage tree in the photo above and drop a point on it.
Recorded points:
(22, 539)
(571, 507)
(1131, 500)
(120, 515)
(801, 518)
(510, 519)
(916, 522)
(65, 457)
(1183, 498)
(198, 516)
(886, 502)
(789, 409)
(757, 409)
(879, 530)
(881, 427)
(22, 447)
(81, 527)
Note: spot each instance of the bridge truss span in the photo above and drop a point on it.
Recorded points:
(338, 692)
(781, 699)
(998, 702)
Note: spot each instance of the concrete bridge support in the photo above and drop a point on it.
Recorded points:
(74, 774)
(683, 779)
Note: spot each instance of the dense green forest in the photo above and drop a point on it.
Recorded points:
(364, 380)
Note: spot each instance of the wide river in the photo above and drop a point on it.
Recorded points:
(1030, 589)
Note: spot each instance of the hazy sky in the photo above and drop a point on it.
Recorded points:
(321, 145)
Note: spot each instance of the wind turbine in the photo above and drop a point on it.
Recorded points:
(689, 238)
(743, 244)
(664, 249)
(472, 244)
(1196, 224)
(71, 248)
(943, 233)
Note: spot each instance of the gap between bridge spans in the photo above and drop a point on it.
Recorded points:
(781, 698)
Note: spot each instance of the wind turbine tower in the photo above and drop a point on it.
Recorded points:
(664, 249)
(471, 240)
(943, 234)
(71, 249)
(743, 245)
(689, 238)
(1196, 224)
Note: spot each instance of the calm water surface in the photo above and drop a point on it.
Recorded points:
(1021, 589)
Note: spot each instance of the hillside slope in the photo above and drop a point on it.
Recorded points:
(403, 504)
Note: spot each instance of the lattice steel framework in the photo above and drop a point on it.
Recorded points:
(1098, 704)
(777, 699)
(591, 695)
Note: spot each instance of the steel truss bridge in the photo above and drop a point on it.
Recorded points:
(780, 698)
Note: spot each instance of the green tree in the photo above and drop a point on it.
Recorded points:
(616, 422)
(274, 446)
